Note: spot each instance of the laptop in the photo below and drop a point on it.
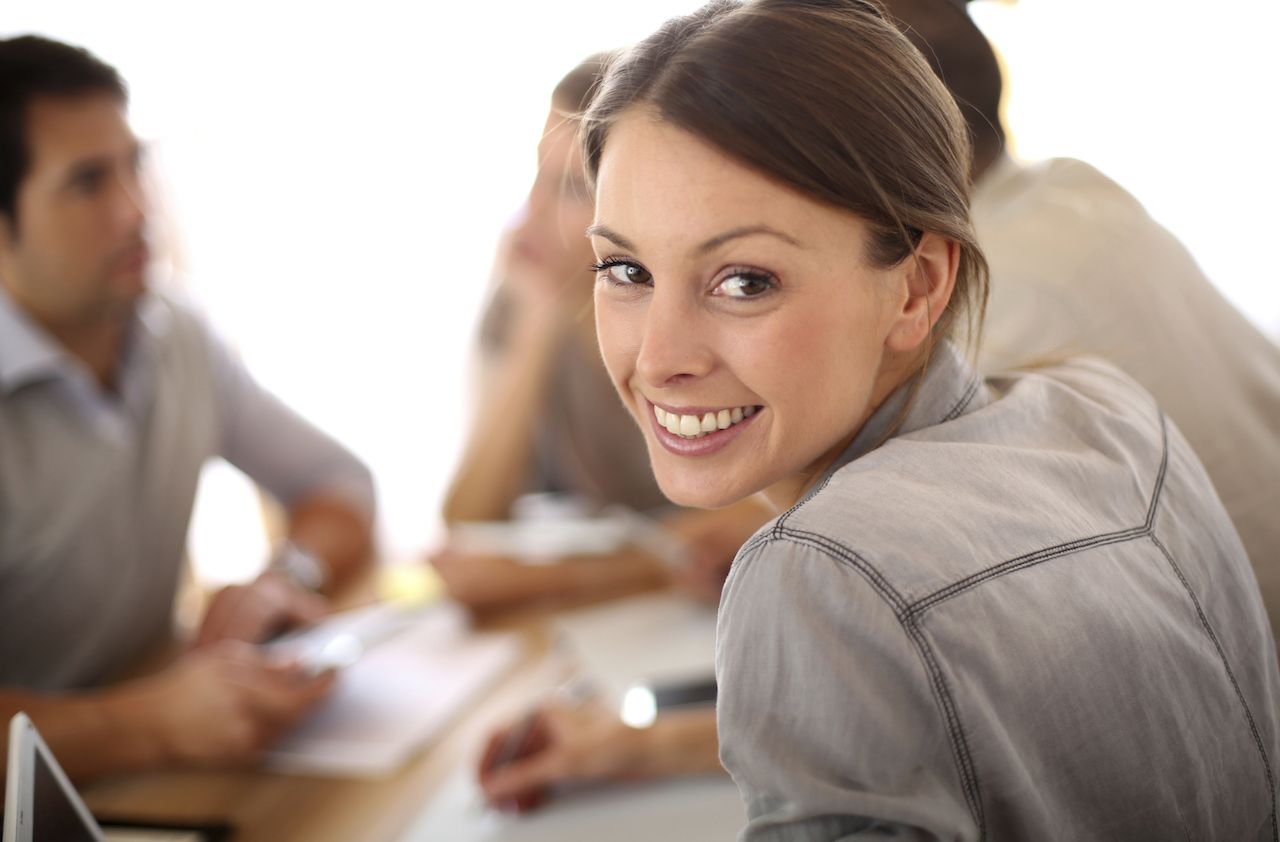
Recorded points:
(41, 805)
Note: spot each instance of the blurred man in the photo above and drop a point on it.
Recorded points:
(1079, 267)
(112, 398)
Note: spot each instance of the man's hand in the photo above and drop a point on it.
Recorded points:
(252, 613)
(218, 706)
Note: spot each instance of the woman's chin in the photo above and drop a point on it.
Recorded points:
(693, 493)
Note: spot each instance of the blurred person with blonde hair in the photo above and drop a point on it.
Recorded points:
(547, 420)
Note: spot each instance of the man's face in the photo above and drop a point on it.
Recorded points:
(76, 254)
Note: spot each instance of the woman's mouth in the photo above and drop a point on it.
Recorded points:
(699, 431)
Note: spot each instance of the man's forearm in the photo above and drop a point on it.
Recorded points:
(92, 734)
(334, 531)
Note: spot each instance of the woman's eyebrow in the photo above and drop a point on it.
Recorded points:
(600, 230)
(746, 231)
(612, 236)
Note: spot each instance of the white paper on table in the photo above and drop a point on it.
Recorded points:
(397, 698)
(655, 637)
(542, 541)
(701, 808)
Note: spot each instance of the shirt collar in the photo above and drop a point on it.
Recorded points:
(29, 354)
(950, 388)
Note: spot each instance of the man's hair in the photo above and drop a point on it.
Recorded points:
(963, 59)
(32, 67)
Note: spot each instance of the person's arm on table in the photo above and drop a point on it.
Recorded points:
(531, 316)
(484, 582)
(564, 744)
(489, 582)
(326, 490)
(713, 537)
(215, 707)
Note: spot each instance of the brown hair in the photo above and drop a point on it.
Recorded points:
(963, 59)
(826, 97)
(573, 92)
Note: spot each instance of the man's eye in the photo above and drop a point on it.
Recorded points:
(625, 274)
(745, 285)
(87, 182)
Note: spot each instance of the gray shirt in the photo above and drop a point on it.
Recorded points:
(1026, 616)
(1079, 267)
(96, 489)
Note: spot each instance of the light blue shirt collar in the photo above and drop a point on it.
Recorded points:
(29, 354)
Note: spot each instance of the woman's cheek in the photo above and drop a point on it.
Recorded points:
(619, 330)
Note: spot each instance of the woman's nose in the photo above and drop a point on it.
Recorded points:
(674, 347)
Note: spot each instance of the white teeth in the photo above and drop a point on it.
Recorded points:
(694, 426)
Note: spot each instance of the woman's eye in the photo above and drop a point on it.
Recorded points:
(745, 285)
(626, 274)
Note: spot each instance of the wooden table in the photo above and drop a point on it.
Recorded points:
(271, 807)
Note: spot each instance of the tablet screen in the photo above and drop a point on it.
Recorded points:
(53, 815)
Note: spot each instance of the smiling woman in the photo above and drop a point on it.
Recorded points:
(986, 606)
(817, 148)
(790, 322)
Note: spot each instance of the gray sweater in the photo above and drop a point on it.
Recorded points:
(1024, 617)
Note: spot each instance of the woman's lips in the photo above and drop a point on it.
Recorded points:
(705, 444)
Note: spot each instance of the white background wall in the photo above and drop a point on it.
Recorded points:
(337, 174)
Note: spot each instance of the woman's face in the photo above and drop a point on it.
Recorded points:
(547, 239)
(726, 301)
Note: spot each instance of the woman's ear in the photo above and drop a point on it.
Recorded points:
(930, 280)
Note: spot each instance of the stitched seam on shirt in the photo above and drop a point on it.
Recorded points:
(965, 399)
(778, 530)
(956, 409)
(842, 553)
(937, 680)
(1049, 553)
(951, 715)
(1248, 714)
